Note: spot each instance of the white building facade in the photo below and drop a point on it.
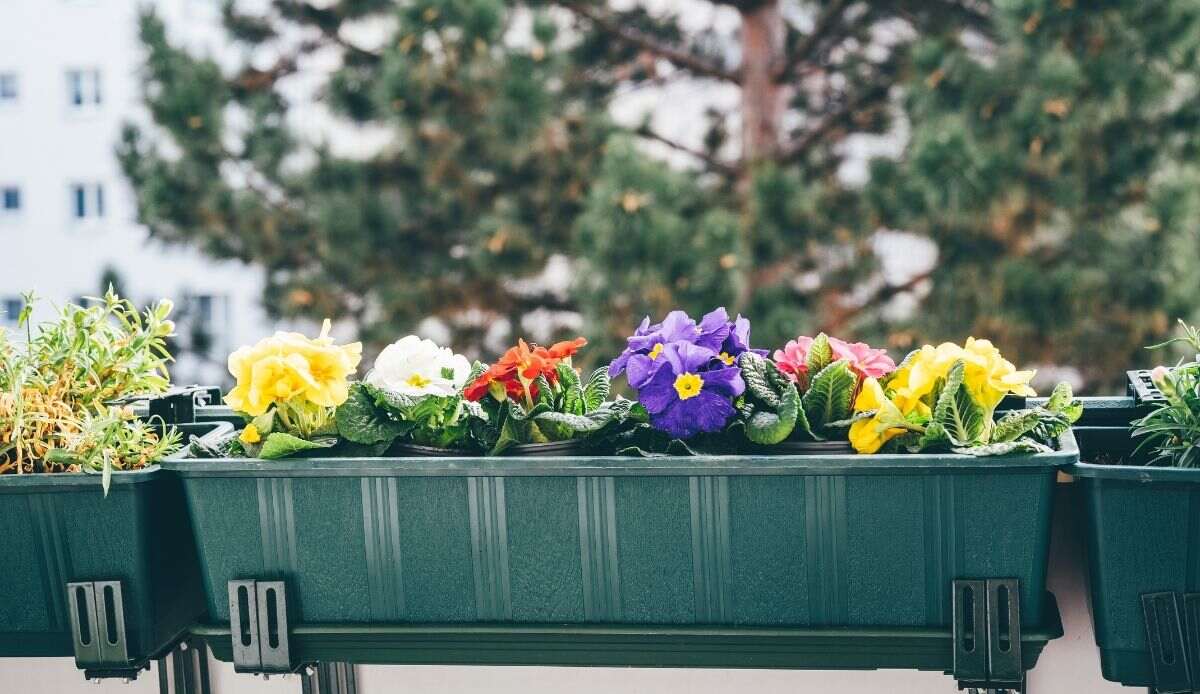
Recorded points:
(68, 82)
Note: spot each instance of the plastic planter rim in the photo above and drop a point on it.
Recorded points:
(572, 466)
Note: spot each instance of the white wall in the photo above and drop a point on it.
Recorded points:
(45, 144)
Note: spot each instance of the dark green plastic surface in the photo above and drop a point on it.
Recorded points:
(728, 541)
(641, 646)
(1143, 536)
(61, 528)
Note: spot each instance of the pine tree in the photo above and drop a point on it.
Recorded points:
(1048, 157)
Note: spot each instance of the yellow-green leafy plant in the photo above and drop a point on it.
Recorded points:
(59, 381)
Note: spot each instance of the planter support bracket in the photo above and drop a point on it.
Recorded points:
(96, 611)
(258, 626)
(1173, 634)
(328, 678)
(987, 635)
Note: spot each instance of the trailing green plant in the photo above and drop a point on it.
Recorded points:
(59, 382)
(1171, 431)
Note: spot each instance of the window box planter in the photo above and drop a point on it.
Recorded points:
(752, 561)
(138, 536)
(1143, 536)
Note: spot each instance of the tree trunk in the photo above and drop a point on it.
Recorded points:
(763, 34)
(762, 103)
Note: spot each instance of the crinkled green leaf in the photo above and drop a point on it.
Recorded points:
(934, 438)
(1016, 424)
(1022, 446)
(820, 354)
(768, 427)
(359, 419)
(754, 373)
(829, 395)
(281, 445)
(964, 420)
(567, 376)
(397, 402)
(597, 389)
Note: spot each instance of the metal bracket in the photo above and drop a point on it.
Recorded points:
(1141, 388)
(258, 625)
(96, 611)
(178, 405)
(1173, 634)
(328, 678)
(185, 669)
(987, 634)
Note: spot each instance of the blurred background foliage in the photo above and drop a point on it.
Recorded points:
(1045, 152)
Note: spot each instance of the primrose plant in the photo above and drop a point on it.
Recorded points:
(1171, 431)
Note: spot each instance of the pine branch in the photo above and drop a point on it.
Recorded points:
(681, 57)
(838, 319)
(829, 16)
(800, 146)
(711, 161)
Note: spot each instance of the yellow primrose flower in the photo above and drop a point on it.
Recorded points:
(989, 376)
(250, 434)
(289, 365)
(869, 435)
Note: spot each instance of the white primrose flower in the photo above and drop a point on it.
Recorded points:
(415, 367)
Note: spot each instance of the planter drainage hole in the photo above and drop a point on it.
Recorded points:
(85, 620)
(272, 619)
(1004, 612)
(243, 607)
(968, 631)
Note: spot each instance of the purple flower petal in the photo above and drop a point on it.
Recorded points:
(618, 364)
(726, 382)
(658, 393)
(642, 368)
(713, 329)
(686, 357)
(706, 412)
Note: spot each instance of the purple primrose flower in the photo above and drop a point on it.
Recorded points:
(691, 391)
(643, 348)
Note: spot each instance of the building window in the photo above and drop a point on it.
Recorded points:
(8, 88)
(10, 310)
(87, 200)
(83, 88)
(10, 200)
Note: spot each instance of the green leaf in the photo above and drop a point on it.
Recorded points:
(1020, 446)
(597, 389)
(1016, 424)
(758, 385)
(281, 445)
(566, 375)
(934, 438)
(1063, 401)
(397, 402)
(820, 354)
(829, 395)
(964, 420)
(768, 427)
(360, 421)
(545, 394)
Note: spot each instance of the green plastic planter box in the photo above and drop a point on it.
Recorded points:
(60, 529)
(1143, 536)
(771, 561)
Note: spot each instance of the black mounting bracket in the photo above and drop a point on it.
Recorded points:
(987, 635)
(96, 611)
(328, 678)
(1173, 634)
(178, 405)
(258, 626)
(185, 669)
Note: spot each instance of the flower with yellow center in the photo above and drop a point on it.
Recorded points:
(688, 385)
(417, 367)
(289, 366)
